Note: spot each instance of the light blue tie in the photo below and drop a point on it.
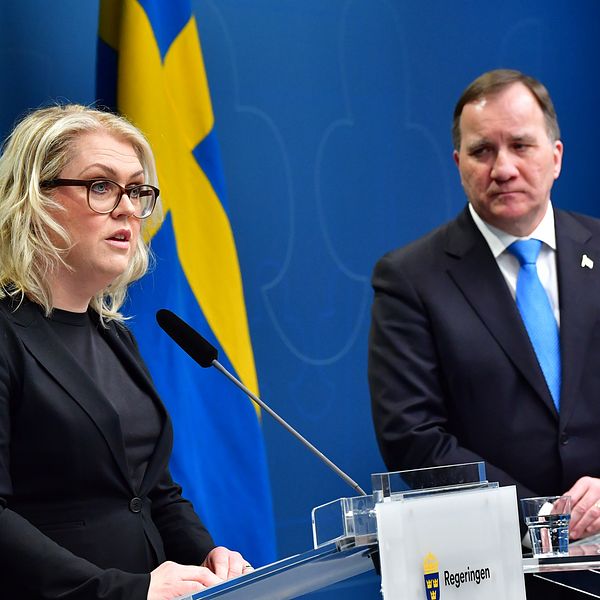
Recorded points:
(534, 305)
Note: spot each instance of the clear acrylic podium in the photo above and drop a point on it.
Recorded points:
(345, 541)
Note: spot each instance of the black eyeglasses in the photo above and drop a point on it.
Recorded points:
(104, 195)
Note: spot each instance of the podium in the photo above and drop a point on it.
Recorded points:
(395, 531)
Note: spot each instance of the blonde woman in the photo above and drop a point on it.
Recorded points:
(88, 508)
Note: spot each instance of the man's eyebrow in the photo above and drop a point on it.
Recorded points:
(478, 143)
(523, 137)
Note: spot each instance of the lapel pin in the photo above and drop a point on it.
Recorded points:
(586, 261)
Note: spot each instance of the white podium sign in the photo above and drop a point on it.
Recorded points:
(456, 545)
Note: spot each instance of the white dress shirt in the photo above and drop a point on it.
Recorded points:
(499, 240)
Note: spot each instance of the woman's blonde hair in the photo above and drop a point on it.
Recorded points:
(37, 150)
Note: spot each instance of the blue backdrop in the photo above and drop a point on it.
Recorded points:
(333, 118)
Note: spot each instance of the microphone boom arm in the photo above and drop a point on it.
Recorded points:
(283, 423)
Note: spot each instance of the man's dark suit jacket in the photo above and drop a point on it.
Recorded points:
(452, 372)
(72, 526)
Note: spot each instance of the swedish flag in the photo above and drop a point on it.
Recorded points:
(150, 68)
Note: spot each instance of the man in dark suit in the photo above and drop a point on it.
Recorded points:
(456, 374)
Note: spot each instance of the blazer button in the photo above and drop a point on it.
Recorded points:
(135, 505)
(564, 439)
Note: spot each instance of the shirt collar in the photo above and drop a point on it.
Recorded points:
(499, 240)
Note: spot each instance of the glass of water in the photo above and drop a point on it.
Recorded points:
(548, 519)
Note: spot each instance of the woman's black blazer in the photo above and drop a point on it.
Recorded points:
(72, 524)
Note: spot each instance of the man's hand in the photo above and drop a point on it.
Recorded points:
(226, 564)
(585, 507)
(171, 580)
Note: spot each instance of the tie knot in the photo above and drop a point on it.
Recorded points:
(525, 251)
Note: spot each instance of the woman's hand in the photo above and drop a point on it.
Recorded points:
(226, 564)
(171, 580)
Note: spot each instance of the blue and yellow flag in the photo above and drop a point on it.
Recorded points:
(150, 68)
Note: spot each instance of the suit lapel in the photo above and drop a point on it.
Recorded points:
(47, 348)
(477, 275)
(115, 337)
(578, 294)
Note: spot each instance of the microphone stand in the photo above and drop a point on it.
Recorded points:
(215, 363)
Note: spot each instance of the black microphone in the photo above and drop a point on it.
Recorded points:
(205, 354)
